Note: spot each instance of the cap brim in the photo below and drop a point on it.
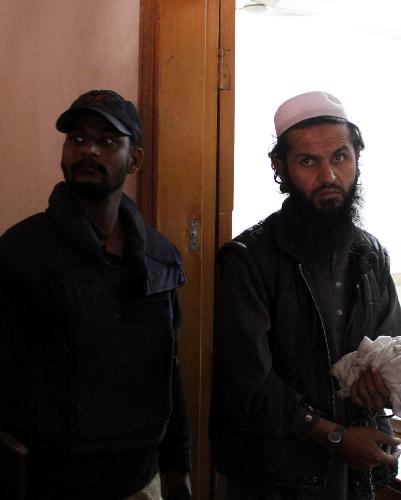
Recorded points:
(67, 119)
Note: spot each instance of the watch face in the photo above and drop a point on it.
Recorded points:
(334, 437)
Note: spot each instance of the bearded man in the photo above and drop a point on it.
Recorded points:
(295, 293)
(89, 373)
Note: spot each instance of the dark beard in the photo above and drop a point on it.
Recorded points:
(92, 191)
(318, 231)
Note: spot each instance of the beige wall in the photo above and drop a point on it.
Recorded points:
(51, 51)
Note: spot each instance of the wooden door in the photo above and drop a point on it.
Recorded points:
(182, 110)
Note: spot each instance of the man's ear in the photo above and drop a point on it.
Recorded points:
(278, 167)
(137, 156)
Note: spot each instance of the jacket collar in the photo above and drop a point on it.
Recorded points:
(156, 261)
(72, 222)
(75, 227)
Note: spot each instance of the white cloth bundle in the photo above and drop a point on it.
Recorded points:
(384, 353)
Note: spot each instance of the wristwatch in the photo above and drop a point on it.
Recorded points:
(335, 437)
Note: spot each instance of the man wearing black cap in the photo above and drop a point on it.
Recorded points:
(295, 293)
(88, 345)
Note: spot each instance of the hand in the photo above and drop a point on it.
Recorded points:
(178, 486)
(360, 448)
(370, 391)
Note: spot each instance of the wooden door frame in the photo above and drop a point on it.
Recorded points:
(178, 87)
(226, 105)
(195, 358)
(147, 105)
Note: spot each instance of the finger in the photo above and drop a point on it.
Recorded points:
(369, 387)
(354, 394)
(380, 386)
(388, 440)
(362, 391)
(371, 394)
(386, 458)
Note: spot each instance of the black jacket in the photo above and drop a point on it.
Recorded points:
(273, 359)
(88, 352)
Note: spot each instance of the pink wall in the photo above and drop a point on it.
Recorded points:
(51, 51)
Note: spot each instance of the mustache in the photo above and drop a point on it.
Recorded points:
(89, 163)
(328, 185)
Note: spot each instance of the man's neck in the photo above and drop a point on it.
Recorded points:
(105, 214)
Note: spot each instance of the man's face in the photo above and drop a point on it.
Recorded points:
(321, 164)
(96, 157)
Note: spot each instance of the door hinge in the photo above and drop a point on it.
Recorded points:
(224, 56)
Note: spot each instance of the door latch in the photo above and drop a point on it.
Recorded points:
(194, 235)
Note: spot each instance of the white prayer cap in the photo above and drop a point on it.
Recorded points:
(304, 106)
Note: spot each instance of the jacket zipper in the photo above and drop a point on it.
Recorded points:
(333, 400)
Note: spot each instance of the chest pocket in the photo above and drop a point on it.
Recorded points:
(122, 359)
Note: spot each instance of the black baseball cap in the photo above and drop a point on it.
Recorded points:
(120, 113)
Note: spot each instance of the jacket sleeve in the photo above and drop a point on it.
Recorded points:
(255, 397)
(10, 344)
(5, 367)
(175, 449)
(388, 318)
(390, 311)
